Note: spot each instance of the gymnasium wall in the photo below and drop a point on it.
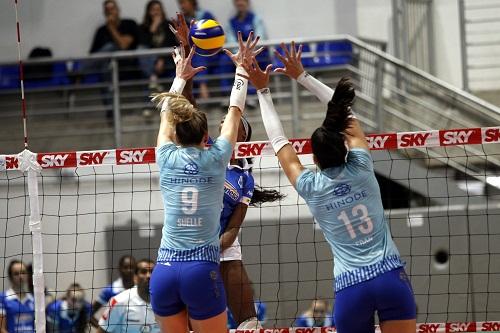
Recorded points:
(67, 26)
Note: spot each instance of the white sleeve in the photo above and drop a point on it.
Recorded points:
(316, 87)
(271, 121)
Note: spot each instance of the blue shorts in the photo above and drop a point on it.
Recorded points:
(193, 285)
(389, 294)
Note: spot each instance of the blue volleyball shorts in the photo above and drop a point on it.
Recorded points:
(195, 286)
(390, 295)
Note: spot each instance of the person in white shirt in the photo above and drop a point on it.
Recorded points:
(130, 311)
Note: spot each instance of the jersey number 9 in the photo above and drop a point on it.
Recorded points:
(189, 198)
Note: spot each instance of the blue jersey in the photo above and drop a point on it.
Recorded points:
(192, 186)
(309, 321)
(251, 22)
(20, 314)
(62, 319)
(346, 203)
(238, 188)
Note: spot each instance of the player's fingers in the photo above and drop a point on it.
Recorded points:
(292, 49)
(254, 43)
(259, 51)
(199, 69)
(268, 69)
(191, 53)
(182, 51)
(285, 49)
(280, 57)
(172, 28)
(240, 40)
(249, 39)
(299, 53)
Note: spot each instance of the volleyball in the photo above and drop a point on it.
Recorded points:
(208, 37)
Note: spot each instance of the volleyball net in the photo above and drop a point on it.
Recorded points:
(440, 190)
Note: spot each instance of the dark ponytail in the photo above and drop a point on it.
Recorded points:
(327, 141)
(260, 195)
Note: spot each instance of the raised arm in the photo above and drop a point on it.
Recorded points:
(183, 72)
(238, 97)
(180, 29)
(285, 152)
(292, 61)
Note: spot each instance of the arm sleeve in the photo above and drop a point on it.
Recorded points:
(51, 313)
(248, 188)
(221, 150)
(360, 159)
(305, 183)
(113, 316)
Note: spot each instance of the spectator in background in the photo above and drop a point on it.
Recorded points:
(191, 11)
(127, 266)
(318, 315)
(17, 305)
(155, 33)
(116, 34)
(244, 20)
(130, 311)
(71, 314)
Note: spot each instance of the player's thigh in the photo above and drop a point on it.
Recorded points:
(164, 289)
(202, 290)
(216, 324)
(398, 326)
(394, 298)
(354, 309)
(238, 290)
(174, 323)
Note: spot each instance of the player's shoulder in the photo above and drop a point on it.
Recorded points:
(124, 296)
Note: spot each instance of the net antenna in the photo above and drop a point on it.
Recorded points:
(28, 164)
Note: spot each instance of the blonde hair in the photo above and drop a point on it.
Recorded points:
(190, 124)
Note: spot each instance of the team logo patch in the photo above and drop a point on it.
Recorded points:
(342, 189)
(191, 169)
(231, 191)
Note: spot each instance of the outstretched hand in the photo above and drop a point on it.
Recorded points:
(181, 30)
(183, 67)
(258, 77)
(292, 61)
(246, 49)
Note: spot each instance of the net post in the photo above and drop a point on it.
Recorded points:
(28, 163)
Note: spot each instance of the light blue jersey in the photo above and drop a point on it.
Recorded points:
(192, 186)
(346, 203)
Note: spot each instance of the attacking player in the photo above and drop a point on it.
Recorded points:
(240, 191)
(344, 198)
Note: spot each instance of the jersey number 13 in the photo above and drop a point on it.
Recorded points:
(357, 211)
